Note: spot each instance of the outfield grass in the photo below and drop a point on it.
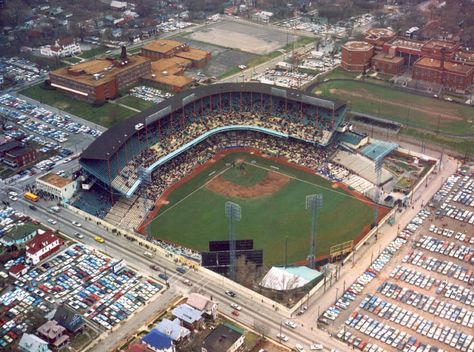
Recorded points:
(106, 115)
(135, 102)
(406, 108)
(195, 215)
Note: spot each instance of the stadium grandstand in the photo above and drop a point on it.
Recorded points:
(143, 144)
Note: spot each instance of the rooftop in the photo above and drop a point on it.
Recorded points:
(173, 329)
(172, 65)
(198, 301)
(163, 46)
(157, 340)
(374, 33)
(55, 180)
(407, 43)
(437, 44)
(193, 54)
(40, 241)
(448, 65)
(169, 79)
(358, 46)
(107, 69)
(187, 313)
(221, 338)
(18, 151)
(388, 58)
(51, 329)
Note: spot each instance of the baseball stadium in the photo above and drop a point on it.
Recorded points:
(169, 171)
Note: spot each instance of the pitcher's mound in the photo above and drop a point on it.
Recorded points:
(272, 183)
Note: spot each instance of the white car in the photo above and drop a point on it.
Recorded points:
(299, 348)
(75, 223)
(282, 337)
(13, 198)
(236, 306)
(13, 194)
(290, 324)
(315, 347)
(52, 222)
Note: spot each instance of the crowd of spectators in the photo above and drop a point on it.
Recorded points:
(296, 151)
(172, 136)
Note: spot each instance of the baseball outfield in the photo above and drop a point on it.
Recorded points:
(272, 197)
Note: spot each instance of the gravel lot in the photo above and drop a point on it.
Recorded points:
(254, 39)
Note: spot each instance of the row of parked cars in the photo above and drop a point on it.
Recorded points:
(149, 94)
(444, 231)
(447, 248)
(61, 122)
(414, 321)
(429, 304)
(99, 287)
(444, 267)
(413, 277)
(385, 333)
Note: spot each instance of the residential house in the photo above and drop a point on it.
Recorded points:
(158, 342)
(174, 330)
(53, 333)
(224, 338)
(69, 319)
(190, 317)
(204, 304)
(32, 343)
(42, 246)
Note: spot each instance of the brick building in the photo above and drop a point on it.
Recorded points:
(387, 63)
(19, 157)
(451, 75)
(101, 79)
(162, 49)
(378, 37)
(356, 56)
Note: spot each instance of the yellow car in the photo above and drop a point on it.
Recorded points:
(99, 239)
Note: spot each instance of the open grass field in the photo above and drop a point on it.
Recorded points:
(273, 208)
(106, 115)
(409, 109)
(134, 102)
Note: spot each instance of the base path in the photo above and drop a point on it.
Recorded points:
(272, 183)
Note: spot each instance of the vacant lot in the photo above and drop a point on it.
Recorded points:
(244, 37)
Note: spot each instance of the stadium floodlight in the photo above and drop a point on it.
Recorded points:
(313, 203)
(233, 213)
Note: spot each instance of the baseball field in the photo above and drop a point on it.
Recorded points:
(272, 198)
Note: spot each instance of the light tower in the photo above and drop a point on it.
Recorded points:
(233, 214)
(313, 203)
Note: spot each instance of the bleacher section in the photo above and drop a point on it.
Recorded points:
(351, 180)
(128, 213)
(362, 166)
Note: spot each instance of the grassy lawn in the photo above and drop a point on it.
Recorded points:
(135, 102)
(268, 220)
(94, 52)
(406, 108)
(106, 115)
(73, 60)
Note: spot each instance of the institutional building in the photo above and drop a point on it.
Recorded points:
(356, 56)
(97, 80)
(42, 246)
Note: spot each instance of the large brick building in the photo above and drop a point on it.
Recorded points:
(356, 56)
(378, 37)
(101, 79)
(451, 75)
(166, 49)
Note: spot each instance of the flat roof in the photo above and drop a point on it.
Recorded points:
(406, 43)
(107, 144)
(439, 43)
(193, 54)
(221, 338)
(388, 58)
(171, 65)
(359, 46)
(448, 65)
(55, 180)
(380, 32)
(178, 81)
(84, 72)
(163, 45)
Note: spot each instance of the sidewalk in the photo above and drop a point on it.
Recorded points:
(387, 233)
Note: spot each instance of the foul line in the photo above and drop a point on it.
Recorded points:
(314, 184)
(189, 195)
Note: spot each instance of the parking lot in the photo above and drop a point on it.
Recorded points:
(17, 71)
(417, 295)
(100, 288)
(149, 94)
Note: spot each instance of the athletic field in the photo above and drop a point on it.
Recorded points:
(272, 198)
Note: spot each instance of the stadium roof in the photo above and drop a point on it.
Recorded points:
(105, 146)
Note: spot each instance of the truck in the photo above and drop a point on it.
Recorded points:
(31, 196)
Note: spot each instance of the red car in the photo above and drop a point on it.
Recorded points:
(234, 312)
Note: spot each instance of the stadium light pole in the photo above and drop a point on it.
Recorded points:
(233, 213)
(313, 203)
